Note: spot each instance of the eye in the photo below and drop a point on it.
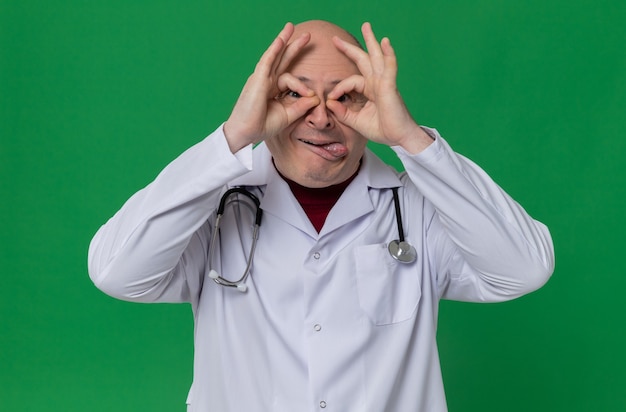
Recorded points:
(353, 100)
(291, 93)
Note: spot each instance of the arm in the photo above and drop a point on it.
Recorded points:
(151, 249)
(155, 247)
(484, 245)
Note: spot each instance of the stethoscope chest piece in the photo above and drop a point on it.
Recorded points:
(399, 249)
(402, 251)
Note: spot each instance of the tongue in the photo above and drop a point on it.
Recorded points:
(336, 149)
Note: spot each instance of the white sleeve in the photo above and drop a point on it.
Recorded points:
(484, 246)
(153, 249)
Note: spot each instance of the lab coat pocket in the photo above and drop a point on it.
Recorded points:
(388, 290)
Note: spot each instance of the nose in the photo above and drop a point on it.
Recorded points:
(319, 117)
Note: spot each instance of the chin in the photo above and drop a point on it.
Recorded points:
(320, 178)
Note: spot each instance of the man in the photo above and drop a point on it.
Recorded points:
(329, 319)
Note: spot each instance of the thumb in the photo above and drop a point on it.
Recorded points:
(342, 113)
(300, 107)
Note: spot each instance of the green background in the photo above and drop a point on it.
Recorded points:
(96, 97)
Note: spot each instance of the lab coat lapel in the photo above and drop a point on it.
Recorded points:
(357, 201)
(277, 198)
(353, 203)
(279, 201)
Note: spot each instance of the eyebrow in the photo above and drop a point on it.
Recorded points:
(305, 79)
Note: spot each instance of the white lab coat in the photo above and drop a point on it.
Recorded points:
(330, 322)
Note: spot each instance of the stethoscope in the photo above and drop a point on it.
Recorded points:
(399, 249)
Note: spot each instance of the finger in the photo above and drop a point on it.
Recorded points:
(356, 54)
(266, 62)
(300, 107)
(286, 33)
(281, 115)
(342, 114)
(291, 51)
(390, 60)
(354, 83)
(373, 48)
(346, 111)
(339, 110)
(287, 81)
(386, 47)
(274, 51)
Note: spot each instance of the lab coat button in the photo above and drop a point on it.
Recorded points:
(316, 255)
(317, 327)
(322, 404)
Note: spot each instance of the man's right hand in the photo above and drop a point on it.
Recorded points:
(259, 112)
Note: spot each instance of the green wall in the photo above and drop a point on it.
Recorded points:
(96, 97)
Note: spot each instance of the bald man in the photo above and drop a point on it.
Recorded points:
(317, 287)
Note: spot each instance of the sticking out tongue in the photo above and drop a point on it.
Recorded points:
(336, 149)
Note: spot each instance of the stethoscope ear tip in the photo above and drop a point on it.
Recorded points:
(241, 287)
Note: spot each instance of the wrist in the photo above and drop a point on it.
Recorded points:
(417, 140)
(234, 138)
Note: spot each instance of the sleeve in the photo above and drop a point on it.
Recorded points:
(154, 248)
(483, 245)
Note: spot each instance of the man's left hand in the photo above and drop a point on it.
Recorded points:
(384, 118)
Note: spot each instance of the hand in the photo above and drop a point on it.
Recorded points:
(258, 113)
(384, 117)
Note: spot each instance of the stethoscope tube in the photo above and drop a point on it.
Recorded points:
(257, 203)
(399, 248)
(239, 284)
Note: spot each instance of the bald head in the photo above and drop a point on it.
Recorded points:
(322, 30)
(320, 50)
(317, 150)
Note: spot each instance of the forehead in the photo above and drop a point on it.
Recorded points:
(323, 63)
(320, 60)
